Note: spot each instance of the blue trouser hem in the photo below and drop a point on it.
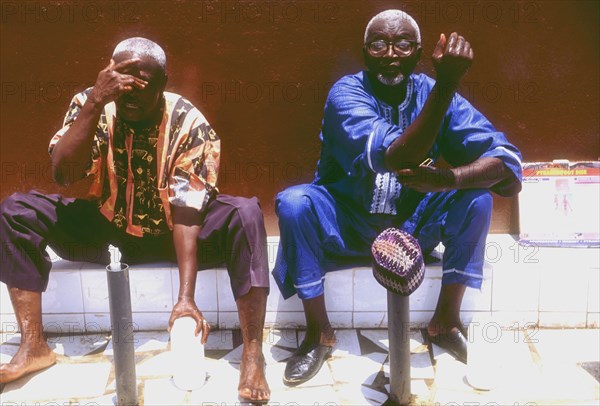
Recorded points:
(454, 277)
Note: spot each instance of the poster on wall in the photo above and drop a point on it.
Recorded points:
(559, 203)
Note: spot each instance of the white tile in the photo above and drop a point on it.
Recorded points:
(157, 321)
(377, 337)
(220, 387)
(145, 341)
(272, 248)
(225, 299)
(357, 369)
(340, 319)
(306, 395)
(516, 289)
(516, 319)
(63, 323)
(205, 294)
(219, 340)
(286, 320)
(593, 320)
(478, 299)
(97, 322)
(159, 365)
(95, 291)
(63, 294)
(594, 291)
(162, 392)
(420, 319)
(369, 295)
(62, 265)
(8, 323)
(283, 338)
(76, 346)
(151, 289)
(369, 320)
(339, 291)
(420, 366)
(229, 320)
(567, 346)
(347, 343)
(426, 295)
(276, 302)
(554, 296)
(5, 303)
(352, 394)
(563, 319)
(62, 380)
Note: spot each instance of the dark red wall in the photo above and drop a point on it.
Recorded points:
(260, 71)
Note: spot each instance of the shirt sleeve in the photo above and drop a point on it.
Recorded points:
(75, 107)
(467, 136)
(193, 179)
(354, 130)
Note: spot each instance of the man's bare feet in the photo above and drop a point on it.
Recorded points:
(253, 383)
(27, 360)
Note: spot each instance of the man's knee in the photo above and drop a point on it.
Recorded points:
(249, 211)
(293, 203)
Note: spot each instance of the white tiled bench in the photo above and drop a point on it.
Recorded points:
(547, 287)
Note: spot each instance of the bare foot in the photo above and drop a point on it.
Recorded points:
(27, 360)
(253, 384)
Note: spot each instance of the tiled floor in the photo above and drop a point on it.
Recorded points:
(536, 367)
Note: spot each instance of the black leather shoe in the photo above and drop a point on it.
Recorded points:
(305, 364)
(453, 342)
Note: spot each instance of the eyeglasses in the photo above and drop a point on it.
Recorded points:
(402, 47)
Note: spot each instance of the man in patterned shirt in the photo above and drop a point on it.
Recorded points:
(380, 127)
(154, 162)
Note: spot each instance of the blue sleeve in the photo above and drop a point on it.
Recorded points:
(353, 129)
(467, 136)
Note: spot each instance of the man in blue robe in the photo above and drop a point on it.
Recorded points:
(379, 126)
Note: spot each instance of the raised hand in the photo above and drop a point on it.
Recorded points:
(187, 307)
(114, 80)
(452, 58)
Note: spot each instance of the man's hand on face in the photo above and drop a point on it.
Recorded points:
(186, 307)
(114, 80)
(427, 179)
(452, 58)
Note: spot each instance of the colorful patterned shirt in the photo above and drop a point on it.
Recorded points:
(139, 174)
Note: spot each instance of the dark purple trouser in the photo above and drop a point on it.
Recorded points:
(233, 233)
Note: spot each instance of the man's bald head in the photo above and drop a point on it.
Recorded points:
(394, 18)
(138, 47)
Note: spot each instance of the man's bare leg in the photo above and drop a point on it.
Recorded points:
(318, 327)
(251, 309)
(446, 318)
(34, 353)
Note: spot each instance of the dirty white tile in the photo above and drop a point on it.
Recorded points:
(515, 319)
(95, 291)
(347, 343)
(63, 294)
(426, 295)
(339, 291)
(151, 289)
(374, 395)
(378, 337)
(369, 295)
(229, 320)
(76, 346)
(369, 320)
(219, 340)
(63, 323)
(144, 341)
(221, 385)
(62, 380)
(97, 322)
(5, 303)
(420, 319)
(562, 319)
(357, 369)
(594, 290)
(151, 321)
(352, 394)
(478, 299)
(162, 392)
(286, 320)
(419, 388)
(450, 373)
(205, 293)
(225, 299)
(593, 320)
(283, 338)
(340, 319)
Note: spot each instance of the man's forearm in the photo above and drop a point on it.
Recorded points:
(481, 174)
(185, 236)
(72, 153)
(412, 146)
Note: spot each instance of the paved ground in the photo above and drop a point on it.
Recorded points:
(537, 367)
